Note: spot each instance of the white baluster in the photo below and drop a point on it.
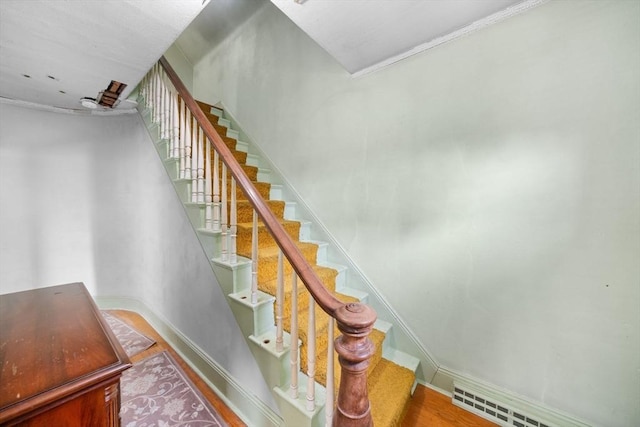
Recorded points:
(169, 121)
(223, 215)
(311, 356)
(195, 153)
(156, 100)
(294, 336)
(279, 306)
(166, 96)
(176, 127)
(162, 116)
(216, 193)
(151, 94)
(201, 154)
(183, 139)
(328, 410)
(143, 85)
(254, 259)
(208, 220)
(233, 220)
(187, 144)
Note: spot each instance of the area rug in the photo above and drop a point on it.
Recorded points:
(156, 392)
(132, 341)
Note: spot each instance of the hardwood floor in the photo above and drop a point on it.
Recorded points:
(428, 408)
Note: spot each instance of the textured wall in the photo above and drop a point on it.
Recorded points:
(495, 179)
(87, 199)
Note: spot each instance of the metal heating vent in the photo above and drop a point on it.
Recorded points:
(490, 409)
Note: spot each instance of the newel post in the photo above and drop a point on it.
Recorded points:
(355, 349)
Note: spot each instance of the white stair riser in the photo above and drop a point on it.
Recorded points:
(232, 279)
(253, 319)
(275, 367)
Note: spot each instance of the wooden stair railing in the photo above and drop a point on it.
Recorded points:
(354, 320)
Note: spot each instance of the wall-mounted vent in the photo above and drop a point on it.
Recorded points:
(494, 410)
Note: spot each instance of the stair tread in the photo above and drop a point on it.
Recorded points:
(272, 251)
(261, 224)
(270, 286)
(390, 388)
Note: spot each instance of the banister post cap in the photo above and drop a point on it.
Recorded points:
(355, 318)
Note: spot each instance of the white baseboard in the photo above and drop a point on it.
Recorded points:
(249, 408)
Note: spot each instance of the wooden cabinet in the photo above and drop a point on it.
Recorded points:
(60, 362)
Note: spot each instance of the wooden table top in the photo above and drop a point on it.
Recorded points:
(53, 342)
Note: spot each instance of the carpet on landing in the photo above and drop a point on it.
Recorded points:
(157, 392)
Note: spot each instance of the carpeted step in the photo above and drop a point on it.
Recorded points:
(240, 156)
(263, 188)
(326, 275)
(245, 234)
(389, 393)
(251, 171)
(268, 260)
(222, 130)
(244, 209)
(205, 107)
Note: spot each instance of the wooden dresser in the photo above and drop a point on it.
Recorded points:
(61, 363)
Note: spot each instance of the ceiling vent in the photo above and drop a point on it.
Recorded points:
(109, 97)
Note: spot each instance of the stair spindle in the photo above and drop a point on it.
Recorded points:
(175, 137)
(233, 220)
(165, 111)
(161, 123)
(187, 145)
(154, 97)
(330, 401)
(223, 215)
(170, 130)
(254, 259)
(311, 356)
(194, 159)
(294, 335)
(279, 305)
(183, 139)
(216, 193)
(158, 101)
(208, 199)
(142, 92)
(201, 152)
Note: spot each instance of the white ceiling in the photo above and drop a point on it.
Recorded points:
(73, 49)
(360, 34)
(78, 47)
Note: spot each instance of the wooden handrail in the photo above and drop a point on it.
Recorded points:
(355, 320)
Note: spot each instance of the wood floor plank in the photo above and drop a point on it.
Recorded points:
(429, 408)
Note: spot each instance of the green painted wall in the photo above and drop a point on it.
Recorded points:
(488, 188)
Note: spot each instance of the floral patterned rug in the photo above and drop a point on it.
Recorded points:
(131, 340)
(156, 392)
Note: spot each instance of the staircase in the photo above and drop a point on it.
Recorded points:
(390, 382)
